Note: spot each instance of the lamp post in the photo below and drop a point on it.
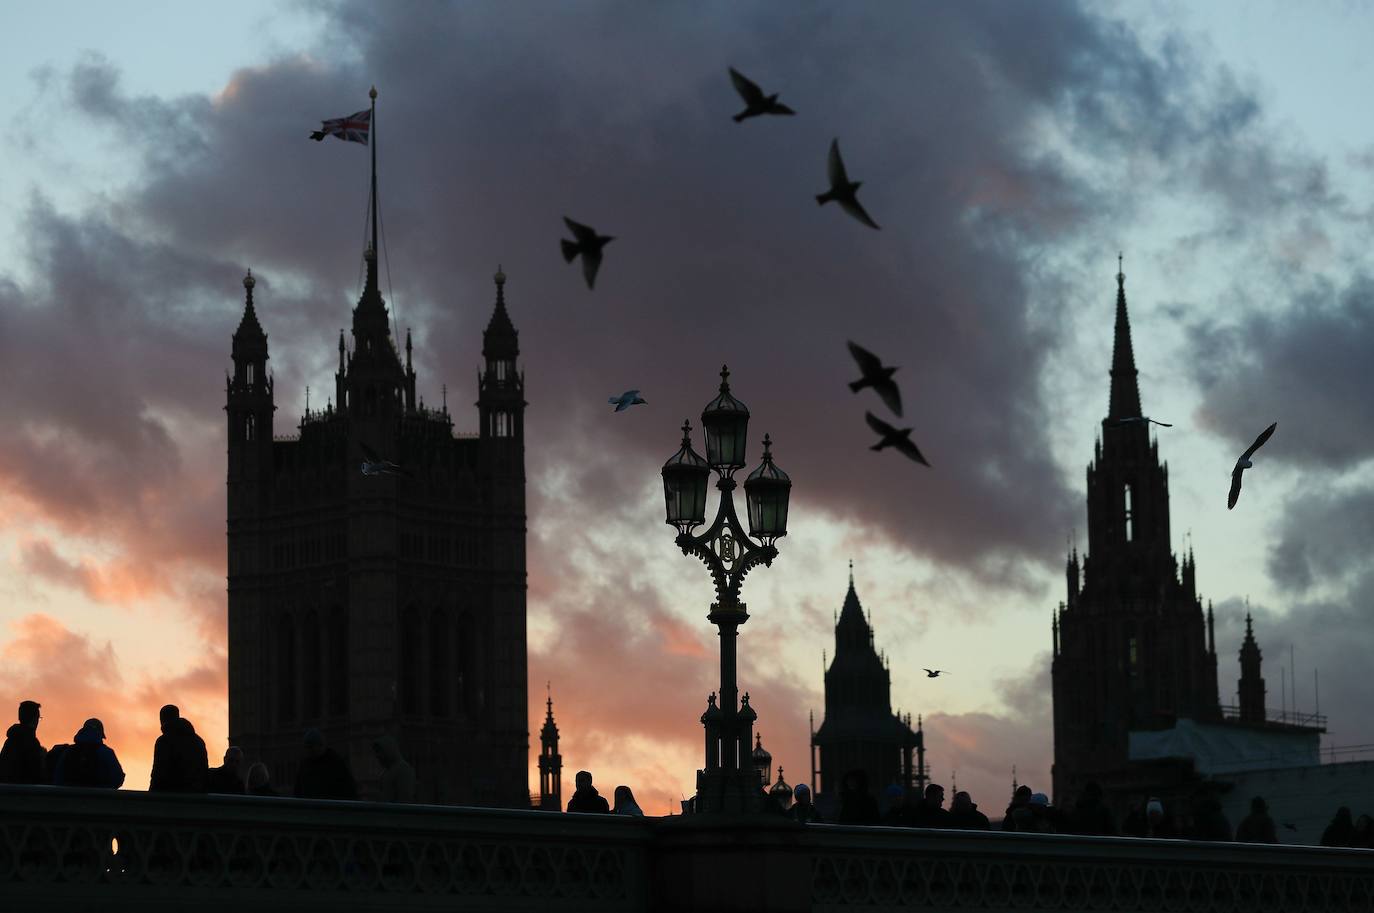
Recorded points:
(728, 782)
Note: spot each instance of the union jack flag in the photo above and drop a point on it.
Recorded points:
(353, 128)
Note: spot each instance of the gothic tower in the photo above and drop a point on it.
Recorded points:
(1251, 685)
(385, 603)
(1131, 649)
(860, 731)
(550, 763)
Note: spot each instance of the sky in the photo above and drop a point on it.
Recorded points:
(1010, 151)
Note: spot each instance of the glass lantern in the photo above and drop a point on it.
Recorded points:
(767, 490)
(684, 485)
(726, 421)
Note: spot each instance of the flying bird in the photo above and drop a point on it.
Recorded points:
(876, 376)
(755, 101)
(842, 189)
(935, 673)
(1139, 419)
(1290, 825)
(626, 400)
(373, 465)
(893, 437)
(1244, 463)
(589, 245)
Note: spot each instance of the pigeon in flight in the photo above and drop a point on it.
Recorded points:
(1244, 463)
(875, 376)
(374, 465)
(935, 673)
(842, 189)
(626, 400)
(893, 437)
(589, 245)
(1139, 419)
(755, 101)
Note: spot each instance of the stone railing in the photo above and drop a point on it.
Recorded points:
(79, 849)
(103, 850)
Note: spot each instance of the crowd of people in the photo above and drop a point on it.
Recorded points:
(181, 762)
(181, 765)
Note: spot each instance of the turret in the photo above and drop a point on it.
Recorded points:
(550, 762)
(501, 403)
(1251, 685)
(249, 407)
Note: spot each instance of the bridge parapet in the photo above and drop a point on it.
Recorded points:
(124, 850)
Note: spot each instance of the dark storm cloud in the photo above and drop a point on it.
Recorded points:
(495, 122)
(1305, 366)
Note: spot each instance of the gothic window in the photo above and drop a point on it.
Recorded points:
(310, 642)
(249, 373)
(410, 661)
(1129, 530)
(439, 643)
(502, 370)
(250, 428)
(286, 667)
(338, 662)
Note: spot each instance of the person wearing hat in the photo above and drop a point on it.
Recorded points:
(90, 762)
(21, 760)
(964, 814)
(802, 809)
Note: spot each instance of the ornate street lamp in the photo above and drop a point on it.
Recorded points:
(727, 782)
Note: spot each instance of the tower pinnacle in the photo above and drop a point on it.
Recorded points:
(1125, 391)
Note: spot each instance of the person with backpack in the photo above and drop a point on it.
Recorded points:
(90, 762)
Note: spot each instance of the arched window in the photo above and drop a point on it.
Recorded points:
(249, 373)
(338, 662)
(440, 662)
(250, 429)
(1129, 523)
(312, 682)
(286, 667)
(410, 660)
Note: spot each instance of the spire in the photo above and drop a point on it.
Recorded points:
(500, 326)
(851, 628)
(1211, 632)
(249, 328)
(1125, 393)
(372, 141)
(550, 731)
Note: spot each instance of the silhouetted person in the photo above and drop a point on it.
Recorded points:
(1209, 821)
(1017, 816)
(964, 814)
(1257, 827)
(21, 759)
(586, 798)
(931, 811)
(803, 809)
(625, 803)
(260, 781)
(324, 774)
(896, 812)
(1150, 822)
(398, 777)
(228, 777)
(1043, 817)
(90, 762)
(1090, 816)
(180, 762)
(857, 805)
(1341, 830)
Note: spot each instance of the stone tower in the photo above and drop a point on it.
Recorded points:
(550, 763)
(363, 604)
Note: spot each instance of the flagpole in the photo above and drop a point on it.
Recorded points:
(372, 129)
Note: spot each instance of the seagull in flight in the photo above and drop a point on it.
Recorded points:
(842, 189)
(755, 101)
(626, 400)
(935, 673)
(894, 437)
(1244, 463)
(589, 245)
(877, 376)
(1141, 419)
(374, 465)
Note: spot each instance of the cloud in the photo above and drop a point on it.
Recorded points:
(1303, 365)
